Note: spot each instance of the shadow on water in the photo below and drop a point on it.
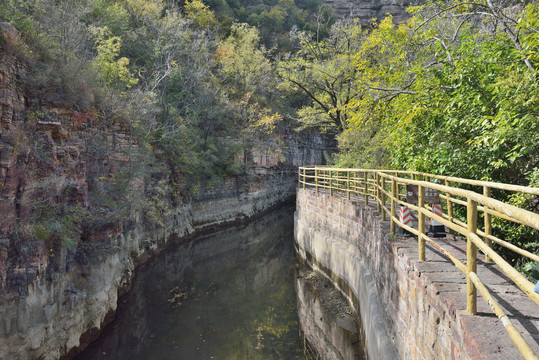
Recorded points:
(228, 295)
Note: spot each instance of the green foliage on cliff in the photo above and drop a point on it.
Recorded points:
(274, 19)
(113, 69)
(448, 92)
(323, 69)
(187, 92)
(451, 91)
(180, 78)
(201, 84)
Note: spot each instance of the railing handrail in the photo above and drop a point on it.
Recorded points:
(493, 185)
(373, 183)
(524, 216)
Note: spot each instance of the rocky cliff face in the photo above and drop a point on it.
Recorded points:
(367, 10)
(57, 289)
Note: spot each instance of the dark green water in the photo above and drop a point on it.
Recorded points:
(228, 295)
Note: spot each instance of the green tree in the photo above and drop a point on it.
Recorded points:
(323, 70)
(449, 93)
(244, 66)
(113, 69)
(201, 14)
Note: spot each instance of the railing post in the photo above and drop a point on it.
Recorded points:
(330, 183)
(488, 222)
(449, 203)
(393, 210)
(471, 258)
(421, 223)
(366, 187)
(304, 178)
(299, 178)
(348, 183)
(316, 179)
(383, 198)
(377, 184)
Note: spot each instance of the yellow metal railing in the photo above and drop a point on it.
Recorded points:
(387, 188)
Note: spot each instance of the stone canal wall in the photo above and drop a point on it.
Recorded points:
(409, 309)
(346, 242)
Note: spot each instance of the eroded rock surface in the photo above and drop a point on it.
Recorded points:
(367, 10)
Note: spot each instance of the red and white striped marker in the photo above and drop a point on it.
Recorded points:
(436, 228)
(404, 215)
(436, 209)
(406, 218)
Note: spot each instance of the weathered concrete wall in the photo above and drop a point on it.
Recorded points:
(336, 237)
(327, 320)
(415, 307)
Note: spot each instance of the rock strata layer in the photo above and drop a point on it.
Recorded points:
(367, 10)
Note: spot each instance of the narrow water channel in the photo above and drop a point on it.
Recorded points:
(228, 295)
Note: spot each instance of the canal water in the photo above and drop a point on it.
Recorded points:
(227, 295)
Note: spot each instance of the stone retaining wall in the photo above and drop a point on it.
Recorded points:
(413, 308)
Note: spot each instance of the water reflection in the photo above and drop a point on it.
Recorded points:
(229, 295)
(330, 324)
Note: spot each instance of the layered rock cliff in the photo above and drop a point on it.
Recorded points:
(65, 254)
(367, 10)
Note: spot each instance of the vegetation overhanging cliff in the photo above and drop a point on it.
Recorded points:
(99, 171)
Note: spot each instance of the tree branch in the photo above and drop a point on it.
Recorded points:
(512, 36)
(316, 100)
(445, 10)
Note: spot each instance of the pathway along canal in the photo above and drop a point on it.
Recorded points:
(226, 295)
